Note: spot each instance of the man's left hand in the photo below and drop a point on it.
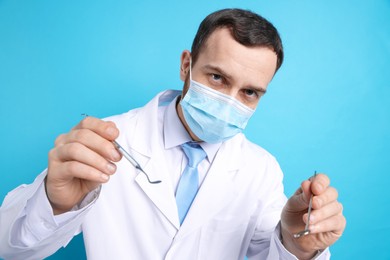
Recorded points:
(327, 221)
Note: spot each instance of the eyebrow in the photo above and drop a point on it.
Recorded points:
(229, 77)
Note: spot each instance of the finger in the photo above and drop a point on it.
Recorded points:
(106, 129)
(328, 196)
(84, 155)
(319, 183)
(325, 212)
(94, 142)
(335, 224)
(305, 186)
(300, 200)
(60, 140)
(79, 170)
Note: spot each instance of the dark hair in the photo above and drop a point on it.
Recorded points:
(247, 28)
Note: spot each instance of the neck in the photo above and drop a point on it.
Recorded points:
(179, 112)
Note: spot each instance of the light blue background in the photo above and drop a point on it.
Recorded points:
(328, 108)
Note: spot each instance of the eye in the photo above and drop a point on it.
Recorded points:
(216, 80)
(216, 77)
(251, 93)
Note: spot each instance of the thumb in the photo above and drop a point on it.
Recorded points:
(300, 200)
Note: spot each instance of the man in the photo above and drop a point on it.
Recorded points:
(237, 208)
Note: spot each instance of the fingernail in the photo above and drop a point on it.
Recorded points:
(115, 154)
(104, 177)
(111, 167)
(111, 131)
(319, 202)
(312, 228)
(320, 187)
(312, 219)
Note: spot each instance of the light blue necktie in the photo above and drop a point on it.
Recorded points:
(189, 180)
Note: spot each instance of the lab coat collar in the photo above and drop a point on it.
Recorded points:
(150, 127)
(175, 133)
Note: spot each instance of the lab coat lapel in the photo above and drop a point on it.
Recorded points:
(216, 192)
(161, 194)
(145, 143)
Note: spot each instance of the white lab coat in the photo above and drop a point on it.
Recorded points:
(234, 213)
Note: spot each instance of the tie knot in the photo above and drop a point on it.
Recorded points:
(194, 152)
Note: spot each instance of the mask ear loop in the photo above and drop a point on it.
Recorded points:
(190, 68)
(189, 83)
(182, 96)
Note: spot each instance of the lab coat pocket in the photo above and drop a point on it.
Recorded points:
(225, 225)
(222, 238)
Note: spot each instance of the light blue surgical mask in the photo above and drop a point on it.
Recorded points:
(211, 115)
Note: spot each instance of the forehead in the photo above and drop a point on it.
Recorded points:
(223, 50)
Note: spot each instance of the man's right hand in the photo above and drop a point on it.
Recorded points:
(80, 161)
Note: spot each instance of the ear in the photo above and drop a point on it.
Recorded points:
(185, 64)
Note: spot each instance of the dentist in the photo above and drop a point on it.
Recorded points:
(220, 196)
